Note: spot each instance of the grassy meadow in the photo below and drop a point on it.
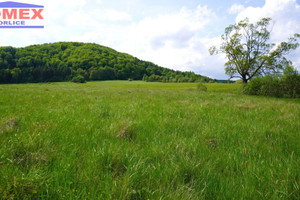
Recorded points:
(138, 140)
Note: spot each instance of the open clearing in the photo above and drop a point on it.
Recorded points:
(138, 140)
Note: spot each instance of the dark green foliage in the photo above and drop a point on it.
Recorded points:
(265, 86)
(78, 79)
(176, 77)
(291, 82)
(62, 61)
(286, 85)
(253, 87)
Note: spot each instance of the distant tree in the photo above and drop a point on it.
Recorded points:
(248, 52)
(78, 79)
(145, 77)
(80, 72)
(291, 82)
(5, 76)
(16, 75)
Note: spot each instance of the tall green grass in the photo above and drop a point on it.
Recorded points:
(137, 140)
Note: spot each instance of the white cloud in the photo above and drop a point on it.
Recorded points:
(69, 20)
(236, 8)
(113, 15)
(285, 16)
(172, 40)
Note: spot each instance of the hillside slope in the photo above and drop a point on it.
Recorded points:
(62, 61)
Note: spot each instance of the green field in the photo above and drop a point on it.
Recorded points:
(138, 140)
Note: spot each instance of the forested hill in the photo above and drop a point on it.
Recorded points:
(64, 61)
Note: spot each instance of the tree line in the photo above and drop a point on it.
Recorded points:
(65, 61)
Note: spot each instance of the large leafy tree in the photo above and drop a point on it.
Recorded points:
(248, 51)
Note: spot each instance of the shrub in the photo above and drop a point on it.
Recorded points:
(291, 82)
(78, 79)
(286, 85)
(253, 87)
(265, 86)
(201, 87)
(271, 86)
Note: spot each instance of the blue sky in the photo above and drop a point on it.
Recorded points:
(171, 33)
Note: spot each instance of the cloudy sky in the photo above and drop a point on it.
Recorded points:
(171, 33)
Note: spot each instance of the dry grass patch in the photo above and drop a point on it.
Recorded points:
(183, 102)
(117, 167)
(9, 125)
(126, 130)
(212, 143)
(247, 106)
(24, 157)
